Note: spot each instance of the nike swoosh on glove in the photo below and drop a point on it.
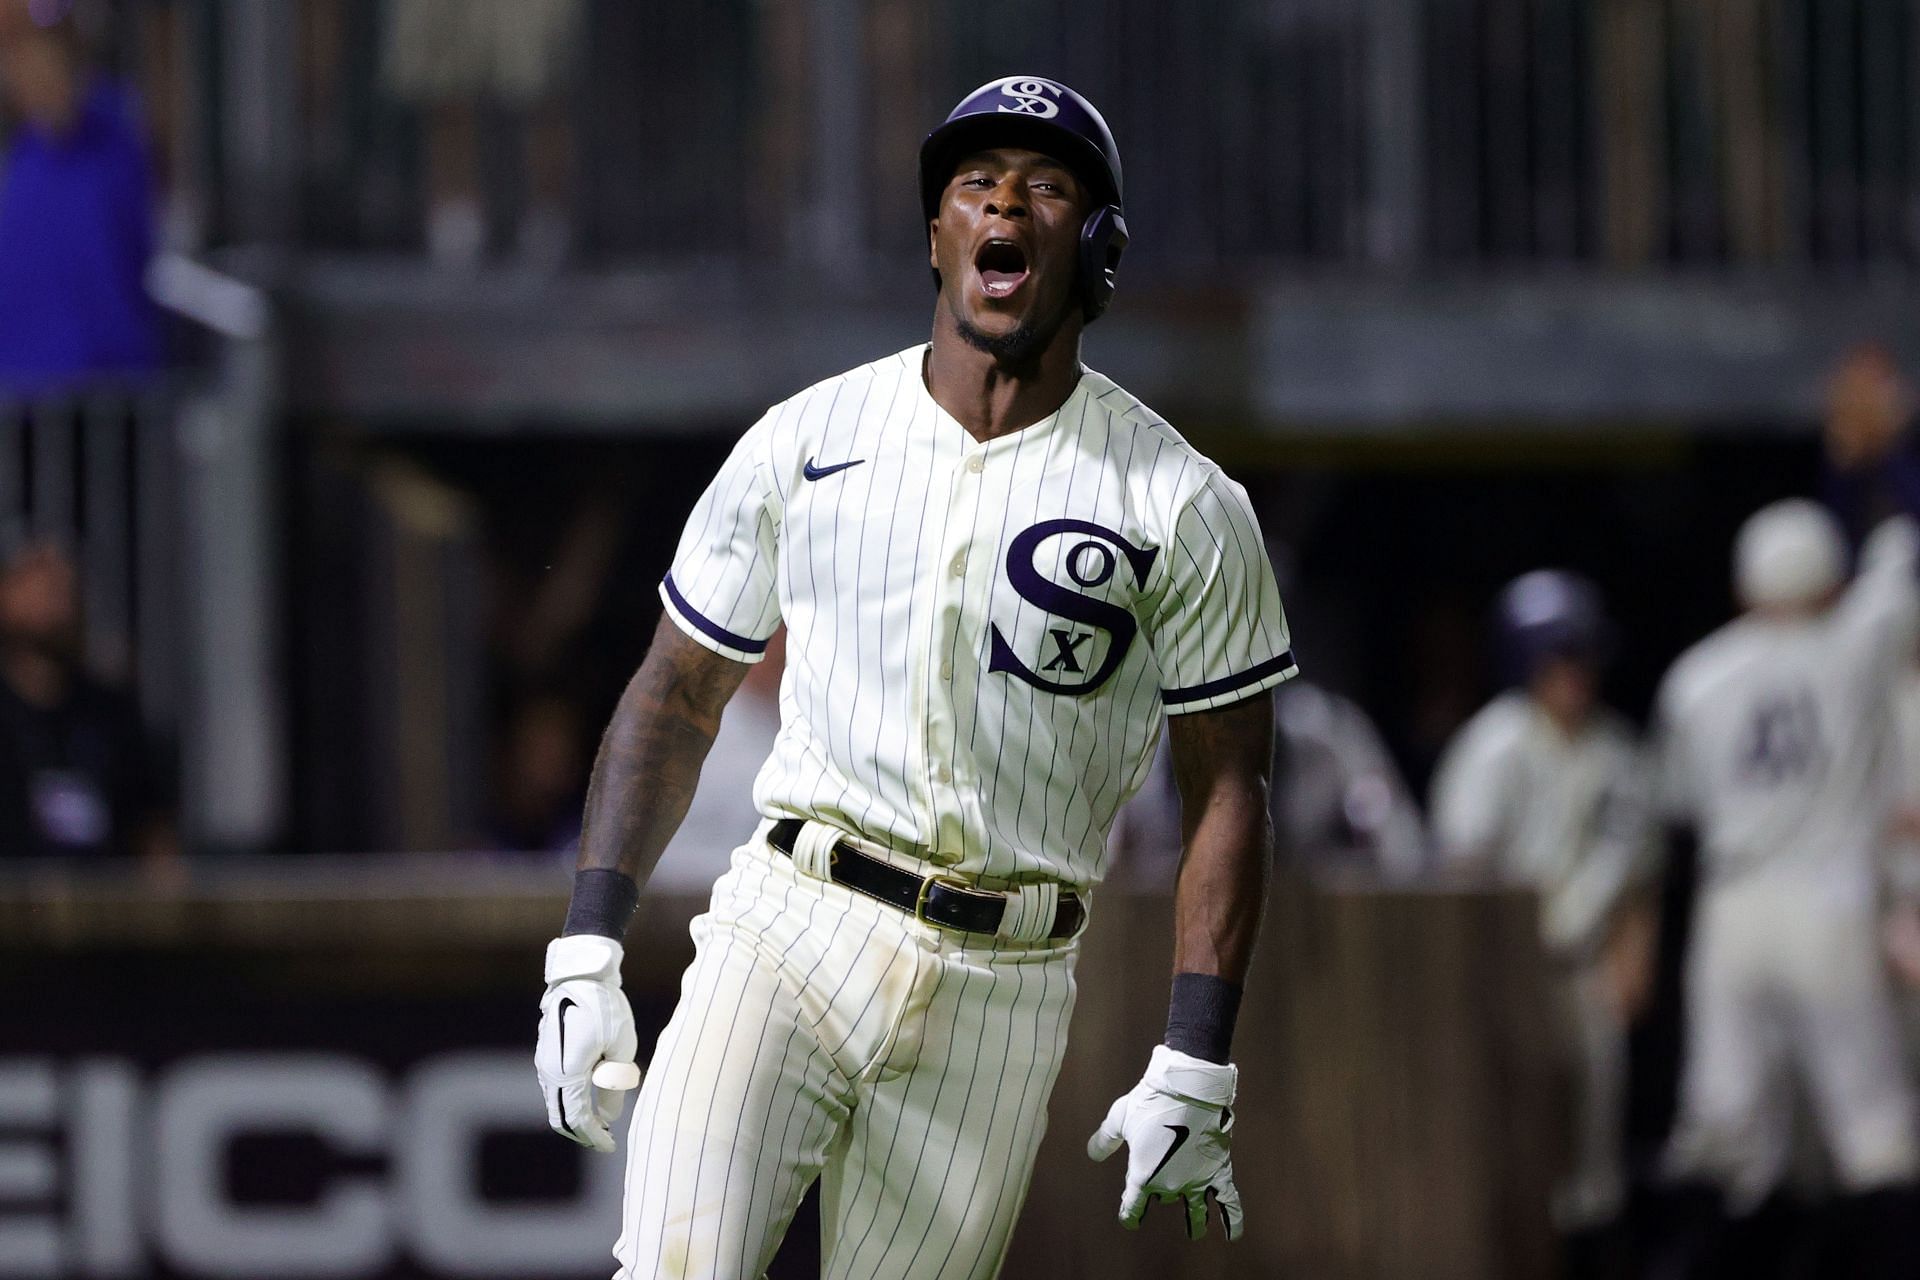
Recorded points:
(584, 1020)
(1177, 1126)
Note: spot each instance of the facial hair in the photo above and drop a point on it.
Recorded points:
(1020, 345)
(1017, 346)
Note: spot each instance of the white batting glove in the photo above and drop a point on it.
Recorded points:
(585, 1020)
(1177, 1125)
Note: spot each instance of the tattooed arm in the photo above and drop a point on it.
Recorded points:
(650, 758)
(643, 780)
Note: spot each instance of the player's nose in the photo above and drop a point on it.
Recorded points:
(1008, 199)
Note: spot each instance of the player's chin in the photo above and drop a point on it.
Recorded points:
(994, 321)
(1030, 307)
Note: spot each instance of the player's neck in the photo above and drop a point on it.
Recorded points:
(1570, 722)
(992, 398)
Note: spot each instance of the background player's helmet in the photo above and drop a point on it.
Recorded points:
(1040, 115)
(1551, 613)
(1789, 554)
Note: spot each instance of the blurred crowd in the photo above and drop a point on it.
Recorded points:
(80, 776)
(1628, 132)
(76, 213)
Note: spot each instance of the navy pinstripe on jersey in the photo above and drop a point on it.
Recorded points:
(983, 638)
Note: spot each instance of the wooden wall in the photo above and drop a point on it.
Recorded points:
(1395, 1097)
(1397, 1094)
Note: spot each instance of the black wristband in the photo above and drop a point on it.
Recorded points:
(1200, 1016)
(603, 903)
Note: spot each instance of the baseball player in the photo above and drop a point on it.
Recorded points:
(999, 573)
(1341, 810)
(1902, 869)
(1545, 787)
(1775, 734)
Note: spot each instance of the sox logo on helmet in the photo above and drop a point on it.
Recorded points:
(1030, 98)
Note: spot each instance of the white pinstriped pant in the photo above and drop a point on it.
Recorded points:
(820, 1033)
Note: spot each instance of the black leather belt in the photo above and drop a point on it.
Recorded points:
(935, 899)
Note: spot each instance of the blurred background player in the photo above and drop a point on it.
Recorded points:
(1545, 787)
(1340, 805)
(1902, 919)
(1774, 736)
(1341, 809)
(1871, 473)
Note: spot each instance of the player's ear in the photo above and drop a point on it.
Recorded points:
(933, 244)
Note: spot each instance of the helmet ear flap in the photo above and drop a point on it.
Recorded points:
(1103, 239)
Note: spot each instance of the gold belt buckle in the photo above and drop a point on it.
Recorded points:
(926, 887)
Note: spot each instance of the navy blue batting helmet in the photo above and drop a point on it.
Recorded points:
(1045, 116)
(1551, 613)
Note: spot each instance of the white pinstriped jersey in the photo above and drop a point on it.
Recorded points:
(982, 638)
(1568, 816)
(1777, 735)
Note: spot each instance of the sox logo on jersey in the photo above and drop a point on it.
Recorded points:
(983, 641)
(1089, 563)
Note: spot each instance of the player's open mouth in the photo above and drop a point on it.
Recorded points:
(1002, 265)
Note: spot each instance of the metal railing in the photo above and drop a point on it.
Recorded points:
(233, 721)
(1400, 134)
(166, 496)
(96, 472)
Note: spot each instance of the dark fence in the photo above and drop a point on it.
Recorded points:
(97, 473)
(325, 1069)
(1385, 133)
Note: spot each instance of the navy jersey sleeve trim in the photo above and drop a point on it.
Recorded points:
(1227, 684)
(708, 626)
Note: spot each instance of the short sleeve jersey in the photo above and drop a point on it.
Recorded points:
(1777, 735)
(983, 638)
(1570, 816)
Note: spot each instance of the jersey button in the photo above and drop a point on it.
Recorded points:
(946, 671)
(960, 565)
(976, 464)
(943, 774)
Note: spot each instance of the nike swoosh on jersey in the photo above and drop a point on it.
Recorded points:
(812, 472)
(1179, 1141)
